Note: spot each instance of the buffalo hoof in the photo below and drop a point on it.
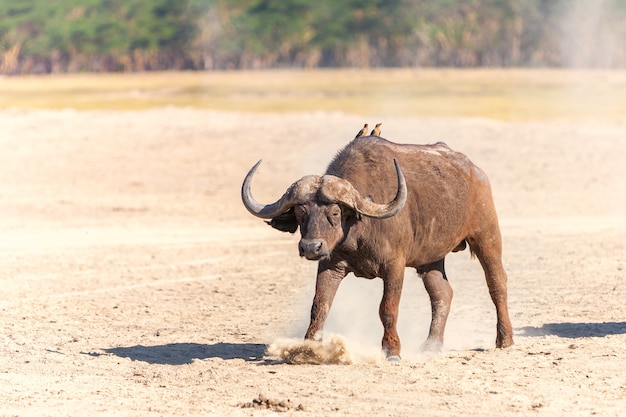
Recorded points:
(504, 343)
(393, 358)
(432, 346)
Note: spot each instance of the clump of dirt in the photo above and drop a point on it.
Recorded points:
(262, 402)
(309, 352)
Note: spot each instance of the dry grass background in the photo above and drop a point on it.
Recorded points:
(505, 94)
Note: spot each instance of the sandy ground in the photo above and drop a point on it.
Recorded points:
(134, 283)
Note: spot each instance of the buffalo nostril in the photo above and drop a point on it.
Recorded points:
(310, 247)
(304, 248)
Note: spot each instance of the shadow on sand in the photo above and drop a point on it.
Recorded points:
(184, 353)
(575, 330)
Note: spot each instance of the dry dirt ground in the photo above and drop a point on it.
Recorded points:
(134, 283)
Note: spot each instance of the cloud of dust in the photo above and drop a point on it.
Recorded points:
(588, 39)
(352, 325)
(335, 350)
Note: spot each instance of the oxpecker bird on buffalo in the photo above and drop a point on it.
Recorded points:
(381, 207)
(362, 132)
(376, 130)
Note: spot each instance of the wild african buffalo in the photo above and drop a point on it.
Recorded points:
(364, 217)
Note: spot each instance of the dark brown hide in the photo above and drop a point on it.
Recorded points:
(448, 204)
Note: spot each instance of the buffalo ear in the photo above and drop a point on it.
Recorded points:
(351, 214)
(285, 222)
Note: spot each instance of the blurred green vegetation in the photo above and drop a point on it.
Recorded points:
(42, 36)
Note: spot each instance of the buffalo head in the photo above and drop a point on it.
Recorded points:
(324, 207)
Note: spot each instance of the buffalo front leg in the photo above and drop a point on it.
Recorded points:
(440, 293)
(389, 305)
(328, 279)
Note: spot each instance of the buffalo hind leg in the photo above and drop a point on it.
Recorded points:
(328, 280)
(440, 293)
(488, 249)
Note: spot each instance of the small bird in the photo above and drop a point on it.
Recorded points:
(362, 132)
(376, 130)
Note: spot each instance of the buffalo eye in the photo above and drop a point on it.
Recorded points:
(300, 212)
(334, 216)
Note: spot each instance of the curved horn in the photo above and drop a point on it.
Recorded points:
(342, 191)
(264, 211)
(296, 193)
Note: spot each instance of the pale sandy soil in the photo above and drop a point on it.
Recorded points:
(134, 283)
